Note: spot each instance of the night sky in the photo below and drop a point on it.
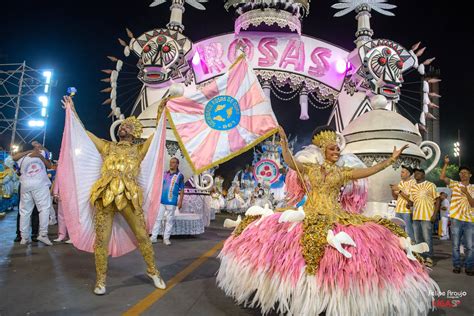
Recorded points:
(74, 38)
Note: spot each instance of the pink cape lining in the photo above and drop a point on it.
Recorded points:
(78, 212)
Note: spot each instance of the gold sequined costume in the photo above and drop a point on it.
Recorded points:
(326, 260)
(117, 191)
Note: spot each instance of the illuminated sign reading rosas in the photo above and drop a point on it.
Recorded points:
(284, 52)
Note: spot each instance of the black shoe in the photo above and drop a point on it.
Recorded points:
(17, 239)
(470, 272)
(457, 270)
(34, 238)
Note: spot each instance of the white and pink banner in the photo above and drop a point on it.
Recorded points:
(225, 118)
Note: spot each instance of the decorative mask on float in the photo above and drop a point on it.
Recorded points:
(383, 65)
(162, 55)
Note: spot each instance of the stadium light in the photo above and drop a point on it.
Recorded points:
(44, 100)
(457, 151)
(43, 112)
(36, 123)
(47, 74)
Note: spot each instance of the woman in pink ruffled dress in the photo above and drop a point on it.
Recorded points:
(325, 258)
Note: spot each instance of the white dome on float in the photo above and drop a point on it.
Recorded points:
(379, 130)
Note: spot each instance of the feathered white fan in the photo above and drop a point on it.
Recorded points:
(347, 6)
(194, 3)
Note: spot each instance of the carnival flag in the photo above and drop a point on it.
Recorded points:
(224, 119)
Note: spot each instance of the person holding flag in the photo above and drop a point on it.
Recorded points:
(301, 251)
(324, 258)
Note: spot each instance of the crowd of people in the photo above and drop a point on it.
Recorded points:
(27, 180)
(423, 207)
(246, 191)
(420, 205)
(27, 185)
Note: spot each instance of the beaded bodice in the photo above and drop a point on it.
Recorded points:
(324, 184)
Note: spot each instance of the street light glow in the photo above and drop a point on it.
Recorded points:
(47, 74)
(457, 149)
(36, 123)
(44, 100)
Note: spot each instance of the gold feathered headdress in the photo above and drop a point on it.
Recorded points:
(135, 123)
(324, 138)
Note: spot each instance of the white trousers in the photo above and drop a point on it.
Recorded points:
(444, 226)
(52, 214)
(42, 199)
(164, 219)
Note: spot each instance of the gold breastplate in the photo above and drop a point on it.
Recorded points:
(121, 159)
(118, 181)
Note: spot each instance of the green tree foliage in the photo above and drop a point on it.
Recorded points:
(451, 172)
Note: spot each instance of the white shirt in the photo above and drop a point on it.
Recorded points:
(33, 174)
(445, 204)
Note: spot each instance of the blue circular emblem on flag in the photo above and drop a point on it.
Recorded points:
(222, 113)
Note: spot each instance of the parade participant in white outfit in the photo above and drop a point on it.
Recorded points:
(215, 202)
(219, 181)
(34, 191)
(444, 210)
(171, 198)
(46, 154)
(235, 200)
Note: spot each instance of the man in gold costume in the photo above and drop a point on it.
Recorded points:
(117, 191)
